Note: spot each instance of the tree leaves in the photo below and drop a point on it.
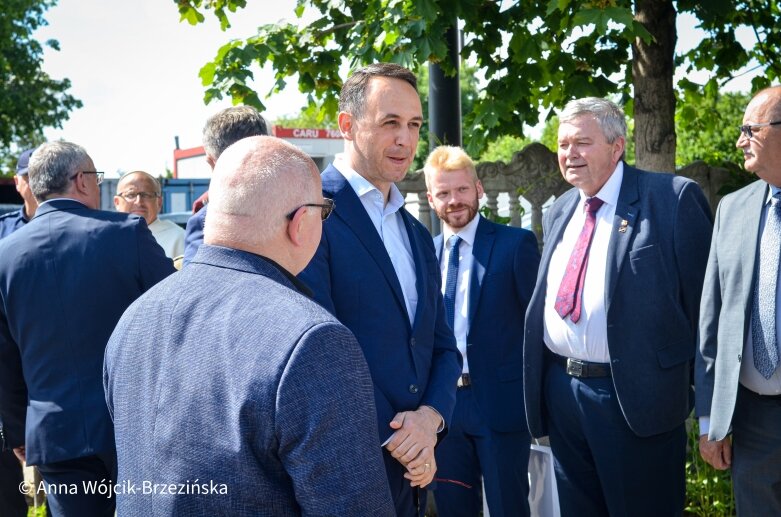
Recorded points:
(30, 99)
(535, 55)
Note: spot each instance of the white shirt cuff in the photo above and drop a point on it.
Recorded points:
(704, 424)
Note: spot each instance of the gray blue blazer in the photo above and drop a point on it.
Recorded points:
(225, 373)
(726, 304)
(653, 284)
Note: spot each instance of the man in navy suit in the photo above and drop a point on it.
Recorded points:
(488, 275)
(65, 279)
(611, 328)
(738, 379)
(221, 130)
(245, 382)
(376, 271)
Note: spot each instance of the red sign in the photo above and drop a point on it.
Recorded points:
(309, 133)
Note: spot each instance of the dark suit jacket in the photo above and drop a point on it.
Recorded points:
(653, 283)
(65, 279)
(352, 276)
(502, 280)
(725, 315)
(225, 372)
(193, 237)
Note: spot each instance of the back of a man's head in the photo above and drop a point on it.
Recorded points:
(230, 125)
(256, 183)
(52, 166)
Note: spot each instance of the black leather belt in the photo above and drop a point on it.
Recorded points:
(464, 381)
(759, 395)
(580, 368)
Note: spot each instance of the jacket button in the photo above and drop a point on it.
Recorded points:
(413, 388)
(740, 357)
(412, 341)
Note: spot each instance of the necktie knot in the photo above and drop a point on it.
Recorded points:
(454, 240)
(593, 205)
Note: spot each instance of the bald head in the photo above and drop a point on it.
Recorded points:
(139, 193)
(257, 182)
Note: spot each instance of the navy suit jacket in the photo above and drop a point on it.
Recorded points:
(502, 279)
(225, 372)
(193, 237)
(655, 269)
(66, 277)
(352, 276)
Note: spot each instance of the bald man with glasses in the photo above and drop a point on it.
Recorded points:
(139, 193)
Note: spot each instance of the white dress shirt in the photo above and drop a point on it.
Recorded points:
(465, 261)
(170, 237)
(390, 227)
(586, 339)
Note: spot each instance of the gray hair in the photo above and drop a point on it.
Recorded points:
(352, 98)
(255, 184)
(609, 116)
(51, 167)
(154, 181)
(230, 125)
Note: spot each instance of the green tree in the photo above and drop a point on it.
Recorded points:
(535, 55)
(30, 100)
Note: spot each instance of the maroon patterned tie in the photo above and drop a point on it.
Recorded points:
(569, 299)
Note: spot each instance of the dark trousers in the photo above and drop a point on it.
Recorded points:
(602, 467)
(89, 470)
(409, 502)
(471, 448)
(756, 463)
(12, 502)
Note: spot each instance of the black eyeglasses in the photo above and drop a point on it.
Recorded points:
(98, 175)
(326, 208)
(748, 129)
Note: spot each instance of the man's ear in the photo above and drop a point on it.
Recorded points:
(116, 202)
(211, 161)
(295, 226)
(346, 125)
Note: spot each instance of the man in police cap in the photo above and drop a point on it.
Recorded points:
(12, 221)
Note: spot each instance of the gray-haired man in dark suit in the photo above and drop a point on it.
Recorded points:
(228, 382)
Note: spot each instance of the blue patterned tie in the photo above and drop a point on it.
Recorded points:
(763, 313)
(451, 280)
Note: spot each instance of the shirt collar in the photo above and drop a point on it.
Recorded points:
(612, 187)
(362, 186)
(772, 191)
(467, 233)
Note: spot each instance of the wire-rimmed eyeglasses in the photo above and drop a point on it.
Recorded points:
(130, 197)
(98, 175)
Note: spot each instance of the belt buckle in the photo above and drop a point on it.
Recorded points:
(575, 367)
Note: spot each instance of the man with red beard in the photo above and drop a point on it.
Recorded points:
(488, 275)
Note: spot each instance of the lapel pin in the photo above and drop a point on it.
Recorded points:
(623, 226)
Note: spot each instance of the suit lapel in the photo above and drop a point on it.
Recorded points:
(353, 215)
(420, 263)
(556, 232)
(623, 227)
(481, 254)
(755, 203)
